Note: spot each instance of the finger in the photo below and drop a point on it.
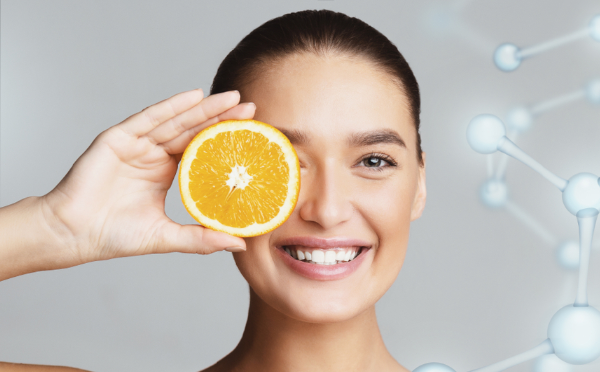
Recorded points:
(152, 116)
(174, 237)
(239, 112)
(210, 107)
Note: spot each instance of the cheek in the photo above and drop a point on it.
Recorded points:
(387, 206)
(256, 264)
(383, 209)
(388, 212)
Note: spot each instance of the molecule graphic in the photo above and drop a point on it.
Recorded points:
(494, 193)
(520, 118)
(573, 334)
(509, 56)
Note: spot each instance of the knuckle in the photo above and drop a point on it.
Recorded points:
(191, 133)
(166, 147)
(178, 126)
(150, 117)
(112, 133)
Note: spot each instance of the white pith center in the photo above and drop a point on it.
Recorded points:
(238, 178)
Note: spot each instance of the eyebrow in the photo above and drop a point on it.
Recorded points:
(375, 137)
(298, 137)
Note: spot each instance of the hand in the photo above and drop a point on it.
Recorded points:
(111, 203)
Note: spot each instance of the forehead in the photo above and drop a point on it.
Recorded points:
(328, 96)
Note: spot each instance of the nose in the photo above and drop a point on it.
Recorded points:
(324, 197)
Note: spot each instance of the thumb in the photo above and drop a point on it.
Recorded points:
(174, 237)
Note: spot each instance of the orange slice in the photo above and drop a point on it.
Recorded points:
(241, 177)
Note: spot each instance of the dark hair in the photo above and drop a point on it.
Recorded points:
(319, 32)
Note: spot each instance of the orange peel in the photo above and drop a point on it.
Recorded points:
(241, 177)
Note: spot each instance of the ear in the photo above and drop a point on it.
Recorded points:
(421, 195)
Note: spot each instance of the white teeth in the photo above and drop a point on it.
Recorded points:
(324, 257)
(347, 256)
(318, 256)
(330, 257)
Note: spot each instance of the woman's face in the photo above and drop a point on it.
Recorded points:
(361, 186)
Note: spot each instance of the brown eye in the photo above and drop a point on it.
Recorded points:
(373, 162)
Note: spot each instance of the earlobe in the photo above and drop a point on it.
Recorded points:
(421, 193)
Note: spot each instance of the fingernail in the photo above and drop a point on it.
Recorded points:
(251, 103)
(235, 249)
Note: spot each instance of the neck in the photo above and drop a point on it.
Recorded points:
(272, 341)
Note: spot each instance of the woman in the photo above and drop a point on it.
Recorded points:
(349, 103)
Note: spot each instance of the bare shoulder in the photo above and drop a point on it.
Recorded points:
(229, 363)
(17, 367)
(220, 366)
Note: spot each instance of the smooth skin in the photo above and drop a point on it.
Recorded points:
(294, 323)
(111, 203)
(322, 103)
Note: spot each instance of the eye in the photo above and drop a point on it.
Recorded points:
(377, 161)
(373, 162)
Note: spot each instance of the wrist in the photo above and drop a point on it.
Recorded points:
(32, 239)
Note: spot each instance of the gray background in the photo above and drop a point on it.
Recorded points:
(477, 286)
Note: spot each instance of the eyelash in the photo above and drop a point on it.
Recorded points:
(388, 159)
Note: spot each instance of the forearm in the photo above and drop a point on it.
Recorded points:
(30, 241)
(17, 367)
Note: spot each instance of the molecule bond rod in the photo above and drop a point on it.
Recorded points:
(530, 222)
(501, 170)
(587, 222)
(554, 43)
(509, 148)
(558, 101)
(503, 162)
(542, 349)
(490, 166)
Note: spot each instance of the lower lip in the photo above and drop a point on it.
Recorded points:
(323, 272)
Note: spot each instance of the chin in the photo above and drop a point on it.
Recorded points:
(308, 300)
(314, 293)
(321, 305)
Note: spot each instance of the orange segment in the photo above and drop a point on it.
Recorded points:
(241, 177)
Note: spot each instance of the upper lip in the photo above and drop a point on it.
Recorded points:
(315, 242)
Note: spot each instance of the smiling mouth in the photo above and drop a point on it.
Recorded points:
(332, 256)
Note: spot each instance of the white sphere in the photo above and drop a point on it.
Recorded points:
(551, 363)
(592, 91)
(484, 133)
(582, 192)
(567, 255)
(575, 334)
(519, 119)
(507, 57)
(494, 193)
(433, 367)
(595, 28)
